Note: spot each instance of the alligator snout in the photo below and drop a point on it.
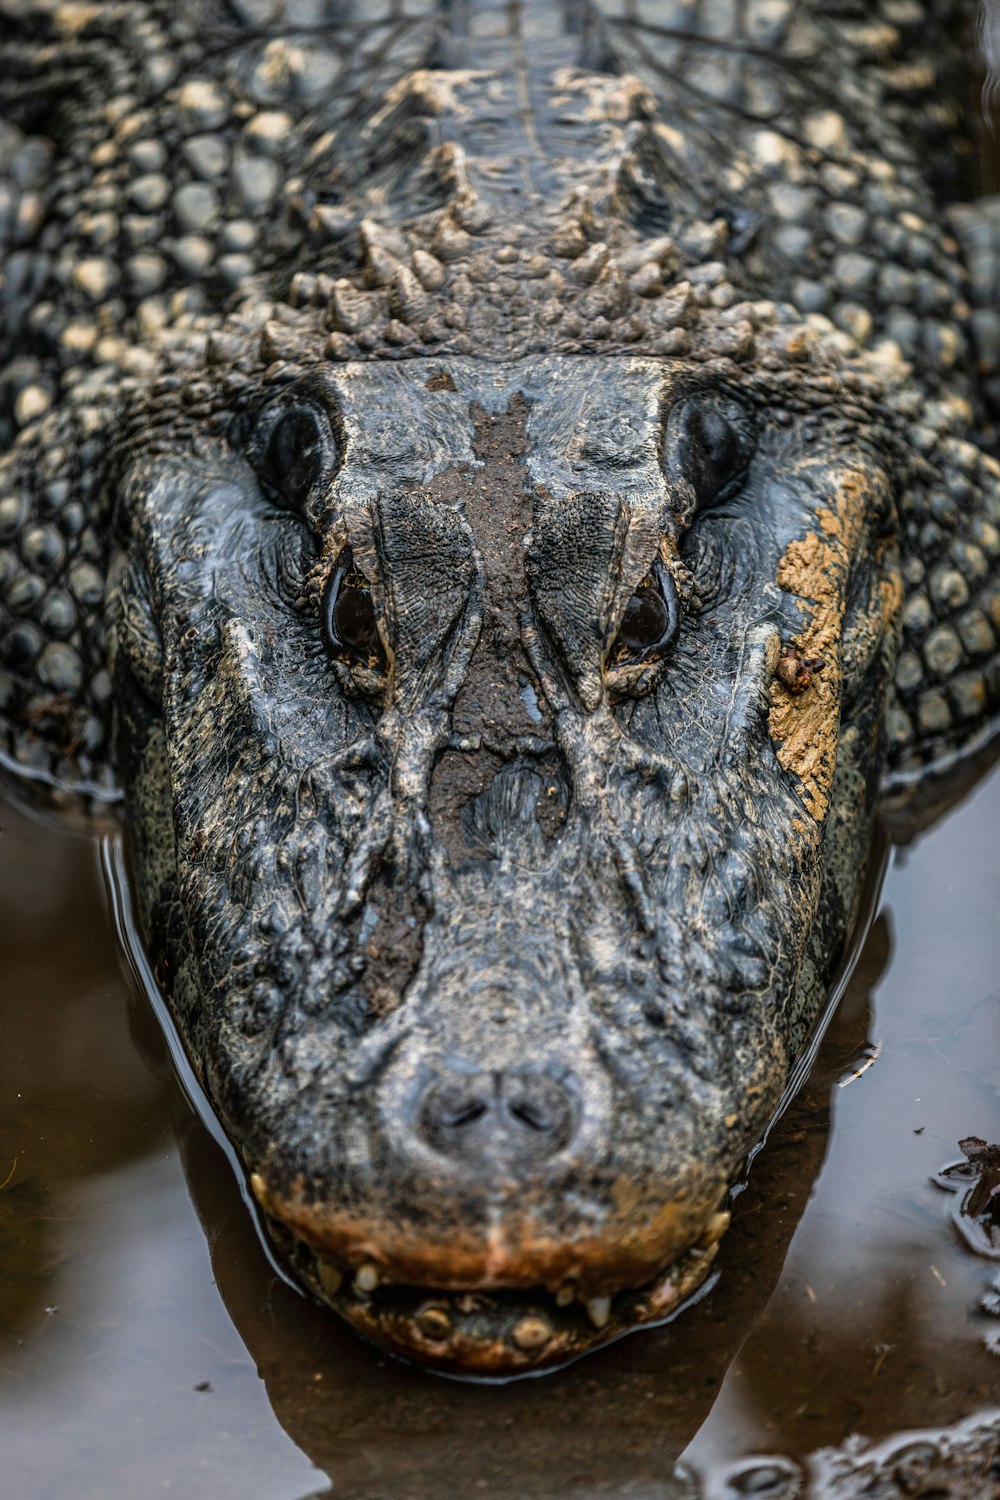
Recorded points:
(498, 1117)
(497, 1220)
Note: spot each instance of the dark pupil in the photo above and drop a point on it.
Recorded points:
(645, 619)
(716, 452)
(294, 454)
(352, 619)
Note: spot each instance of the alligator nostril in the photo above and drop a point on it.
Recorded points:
(509, 1116)
(539, 1111)
(464, 1114)
(530, 1115)
(454, 1112)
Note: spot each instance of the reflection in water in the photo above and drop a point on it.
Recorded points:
(846, 1302)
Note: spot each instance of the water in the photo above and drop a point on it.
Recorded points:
(147, 1347)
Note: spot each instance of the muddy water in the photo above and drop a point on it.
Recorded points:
(147, 1347)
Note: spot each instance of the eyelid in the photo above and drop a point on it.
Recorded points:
(668, 593)
(687, 457)
(255, 430)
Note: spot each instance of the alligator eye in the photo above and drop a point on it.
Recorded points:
(709, 442)
(650, 620)
(349, 623)
(299, 449)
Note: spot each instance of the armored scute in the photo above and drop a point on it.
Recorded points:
(500, 492)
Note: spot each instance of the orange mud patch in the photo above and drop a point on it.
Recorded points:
(805, 726)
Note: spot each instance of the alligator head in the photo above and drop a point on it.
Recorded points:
(502, 744)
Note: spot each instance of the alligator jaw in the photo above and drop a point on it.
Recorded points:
(493, 1333)
(501, 1335)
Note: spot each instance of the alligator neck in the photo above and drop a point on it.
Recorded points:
(509, 131)
(509, 111)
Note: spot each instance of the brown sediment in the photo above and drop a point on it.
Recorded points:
(495, 1329)
(393, 951)
(805, 725)
(442, 381)
(796, 672)
(489, 710)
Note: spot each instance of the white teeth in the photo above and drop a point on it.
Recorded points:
(259, 1189)
(329, 1277)
(366, 1279)
(715, 1229)
(565, 1294)
(599, 1311)
(532, 1333)
(434, 1322)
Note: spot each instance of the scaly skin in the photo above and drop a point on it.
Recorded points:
(501, 491)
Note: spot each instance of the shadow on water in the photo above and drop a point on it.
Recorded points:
(142, 1350)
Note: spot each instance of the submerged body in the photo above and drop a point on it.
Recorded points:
(499, 489)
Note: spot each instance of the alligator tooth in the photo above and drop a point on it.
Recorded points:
(531, 1332)
(434, 1322)
(259, 1189)
(717, 1226)
(599, 1311)
(471, 1302)
(565, 1294)
(367, 1278)
(330, 1277)
(668, 1295)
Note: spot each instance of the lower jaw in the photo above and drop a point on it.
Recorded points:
(498, 1334)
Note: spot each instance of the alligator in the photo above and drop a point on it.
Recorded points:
(498, 492)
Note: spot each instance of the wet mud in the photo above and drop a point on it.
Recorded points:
(147, 1345)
